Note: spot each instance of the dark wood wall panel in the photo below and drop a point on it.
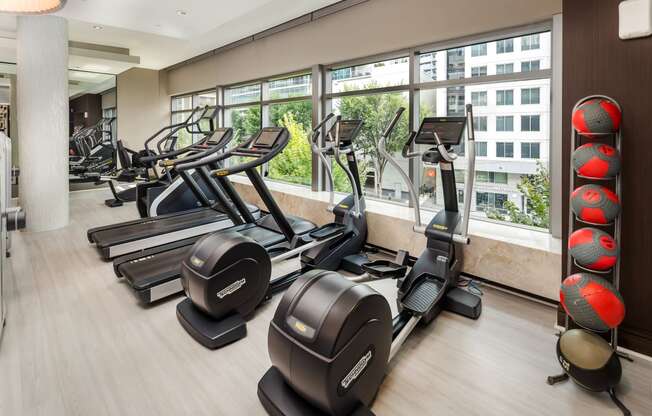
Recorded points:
(596, 61)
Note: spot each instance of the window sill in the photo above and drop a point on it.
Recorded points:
(521, 236)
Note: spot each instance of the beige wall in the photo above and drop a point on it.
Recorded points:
(374, 27)
(532, 270)
(143, 105)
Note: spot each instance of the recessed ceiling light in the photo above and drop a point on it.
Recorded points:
(98, 27)
(182, 12)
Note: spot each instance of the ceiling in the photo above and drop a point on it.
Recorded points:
(162, 32)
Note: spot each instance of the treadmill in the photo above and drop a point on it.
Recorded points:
(133, 236)
(155, 273)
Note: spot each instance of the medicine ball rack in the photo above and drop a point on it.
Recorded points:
(574, 223)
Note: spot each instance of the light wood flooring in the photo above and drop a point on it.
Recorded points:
(77, 342)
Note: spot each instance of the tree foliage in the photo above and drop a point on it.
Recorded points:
(536, 191)
(376, 111)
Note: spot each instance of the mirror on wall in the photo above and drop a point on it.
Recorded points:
(92, 123)
(93, 127)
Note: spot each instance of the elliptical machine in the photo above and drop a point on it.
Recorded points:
(331, 338)
(226, 277)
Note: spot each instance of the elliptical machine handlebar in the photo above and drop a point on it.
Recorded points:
(418, 227)
(469, 180)
(414, 198)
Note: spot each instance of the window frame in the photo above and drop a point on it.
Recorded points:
(321, 83)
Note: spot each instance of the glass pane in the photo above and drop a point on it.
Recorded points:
(294, 164)
(388, 73)
(379, 180)
(297, 86)
(508, 172)
(182, 103)
(245, 121)
(205, 98)
(242, 94)
(526, 53)
(183, 136)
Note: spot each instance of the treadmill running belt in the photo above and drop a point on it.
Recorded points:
(152, 228)
(156, 269)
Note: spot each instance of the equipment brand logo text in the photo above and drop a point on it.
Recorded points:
(357, 370)
(232, 288)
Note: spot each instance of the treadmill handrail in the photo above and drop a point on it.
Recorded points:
(201, 152)
(187, 126)
(173, 127)
(216, 157)
(257, 161)
(241, 150)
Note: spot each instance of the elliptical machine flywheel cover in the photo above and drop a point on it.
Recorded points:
(226, 273)
(330, 340)
(589, 360)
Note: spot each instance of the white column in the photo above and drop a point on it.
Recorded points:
(42, 78)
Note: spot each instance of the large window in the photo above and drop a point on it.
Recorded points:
(281, 102)
(506, 79)
(294, 164)
(376, 110)
(182, 107)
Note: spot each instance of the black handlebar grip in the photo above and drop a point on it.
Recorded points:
(324, 121)
(391, 126)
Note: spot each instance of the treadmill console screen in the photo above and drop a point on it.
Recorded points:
(449, 130)
(349, 130)
(267, 138)
(218, 135)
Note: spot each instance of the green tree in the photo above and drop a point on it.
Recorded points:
(376, 111)
(245, 122)
(294, 164)
(536, 190)
(300, 110)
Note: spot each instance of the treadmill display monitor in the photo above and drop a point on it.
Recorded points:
(349, 130)
(267, 138)
(449, 130)
(217, 136)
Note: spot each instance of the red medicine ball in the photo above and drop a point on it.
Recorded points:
(593, 249)
(592, 302)
(597, 116)
(595, 204)
(596, 161)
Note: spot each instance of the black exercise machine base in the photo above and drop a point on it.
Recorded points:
(279, 399)
(113, 203)
(207, 331)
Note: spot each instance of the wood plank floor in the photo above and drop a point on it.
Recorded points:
(77, 342)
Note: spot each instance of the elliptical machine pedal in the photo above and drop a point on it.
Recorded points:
(424, 295)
